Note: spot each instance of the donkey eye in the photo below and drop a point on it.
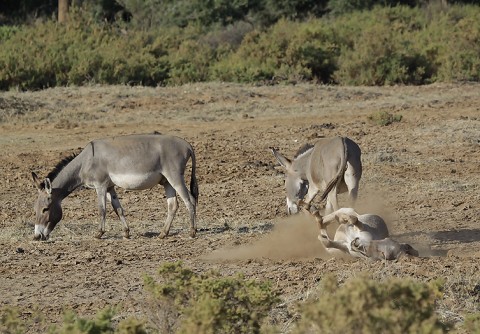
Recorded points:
(45, 210)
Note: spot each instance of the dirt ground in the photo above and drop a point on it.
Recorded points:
(421, 174)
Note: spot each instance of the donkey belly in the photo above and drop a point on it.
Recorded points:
(136, 181)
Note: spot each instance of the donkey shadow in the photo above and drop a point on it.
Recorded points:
(260, 228)
(445, 239)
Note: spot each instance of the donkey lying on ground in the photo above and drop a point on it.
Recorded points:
(360, 236)
(133, 162)
(332, 165)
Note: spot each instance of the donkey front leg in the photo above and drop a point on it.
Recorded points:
(172, 205)
(306, 202)
(112, 196)
(102, 203)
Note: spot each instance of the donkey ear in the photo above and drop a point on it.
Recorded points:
(285, 162)
(48, 186)
(36, 181)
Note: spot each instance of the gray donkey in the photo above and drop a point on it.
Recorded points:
(133, 162)
(332, 165)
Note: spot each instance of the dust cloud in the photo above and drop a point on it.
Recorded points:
(292, 238)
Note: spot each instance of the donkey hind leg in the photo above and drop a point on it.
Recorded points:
(333, 247)
(102, 203)
(352, 179)
(332, 202)
(113, 198)
(178, 183)
(172, 205)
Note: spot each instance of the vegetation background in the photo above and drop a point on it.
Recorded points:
(155, 42)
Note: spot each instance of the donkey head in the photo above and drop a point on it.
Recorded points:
(47, 208)
(296, 184)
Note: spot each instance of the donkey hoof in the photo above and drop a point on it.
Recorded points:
(193, 233)
(162, 235)
(99, 234)
(126, 234)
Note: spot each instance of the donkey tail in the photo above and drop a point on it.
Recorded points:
(193, 179)
(336, 180)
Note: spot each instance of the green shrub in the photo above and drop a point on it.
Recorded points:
(190, 63)
(287, 51)
(379, 48)
(76, 325)
(364, 305)
(101, 324)
(384, 118)
(48, 54)
(7, 32)
(209, 303)
(382, 46)
(453, 38)
(10, 322)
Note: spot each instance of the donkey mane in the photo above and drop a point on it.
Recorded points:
(58, 168)
(303, 149)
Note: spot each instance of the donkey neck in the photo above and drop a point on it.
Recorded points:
(300, 163)
(68, 179)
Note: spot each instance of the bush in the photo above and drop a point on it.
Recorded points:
(288, 51)
(364, 305)
(383, 46)
(49, 54)
(379, 48)
(209, 303)
(453, 37)
(101, 324)
(384, 118)
(10, 321)
(76, 325)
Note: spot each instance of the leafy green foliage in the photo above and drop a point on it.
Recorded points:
(379, 47)
(367, 306)
(48, 54)
(210, 303)
(288, 51)
(210, 40)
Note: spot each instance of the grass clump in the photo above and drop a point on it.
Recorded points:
(384, 118)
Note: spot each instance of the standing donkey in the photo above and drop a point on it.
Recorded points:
(133, 162)
(332, 165)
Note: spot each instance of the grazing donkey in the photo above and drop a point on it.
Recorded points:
(332, 165)
(133, 162)
(363, 236)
